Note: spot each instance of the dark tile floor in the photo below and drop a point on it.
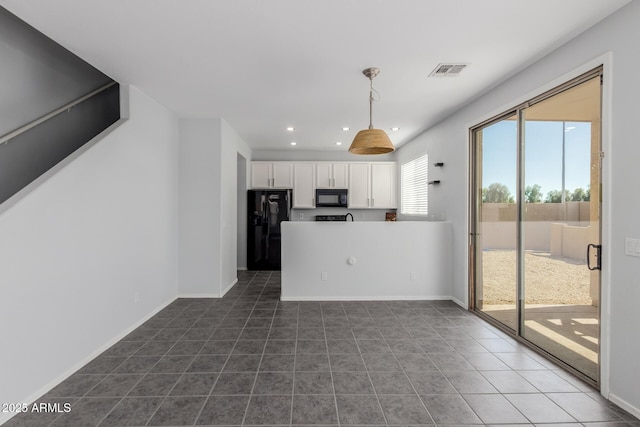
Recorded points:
(249, 359)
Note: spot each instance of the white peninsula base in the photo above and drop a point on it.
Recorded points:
(344, 261)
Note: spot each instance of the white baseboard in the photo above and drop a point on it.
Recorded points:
(241, 268)
(460, 303)
(4, 417)
(211, 295)
(198, 296)
(625, 405)
(229, 287)
(367, 298)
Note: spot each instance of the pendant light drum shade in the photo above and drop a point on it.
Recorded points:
(371, 141)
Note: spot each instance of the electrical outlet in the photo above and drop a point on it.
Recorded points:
(412, 275)
(632, 247)
(323, 276)
(301, 215)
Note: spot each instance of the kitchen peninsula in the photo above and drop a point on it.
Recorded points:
(366, 260)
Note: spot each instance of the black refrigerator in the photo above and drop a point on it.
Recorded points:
(266, 209)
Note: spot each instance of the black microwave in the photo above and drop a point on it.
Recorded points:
(330, 197)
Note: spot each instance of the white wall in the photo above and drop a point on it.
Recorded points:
(241, 203)
(75, 249)
(200, 191)
(232, 144)
(208, 206)
(447, 142)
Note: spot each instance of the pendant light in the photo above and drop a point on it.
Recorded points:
(371, 141)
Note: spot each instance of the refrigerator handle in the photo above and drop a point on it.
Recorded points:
(265, 214)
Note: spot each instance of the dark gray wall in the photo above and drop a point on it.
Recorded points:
(32, 153)
(37, 75)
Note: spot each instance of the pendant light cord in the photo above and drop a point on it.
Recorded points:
(371, 99)
(370, 103)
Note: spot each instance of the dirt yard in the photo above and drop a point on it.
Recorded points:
(548, 280)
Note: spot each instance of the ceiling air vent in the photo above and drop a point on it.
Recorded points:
(447, 70)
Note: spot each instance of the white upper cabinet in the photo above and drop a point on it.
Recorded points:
(260, 175)
(341, 175)
(282, 175)
(383, 186)
(359, 195)
(372, 185)
(332, 175)
(304, 187)
(324, 175)
(271, 175)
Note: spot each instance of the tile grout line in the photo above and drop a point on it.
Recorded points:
(475, 370)
(479, 372)
(375, 392)
(255, 380)
(407, 377)
(85, 395)
(164, 399)
(245, 296)
(145, 373)
(181, 376)
(335, 396)
(295, 361)
(225, 362)
(447, 378)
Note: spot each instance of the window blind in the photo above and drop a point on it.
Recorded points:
(414, 185)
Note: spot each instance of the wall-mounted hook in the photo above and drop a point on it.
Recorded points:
(438, 165)
(434, 182)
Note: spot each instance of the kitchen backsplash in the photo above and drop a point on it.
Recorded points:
(358, 214)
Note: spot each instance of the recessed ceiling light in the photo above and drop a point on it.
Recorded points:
(293, 143)
(291, 128)
(338, 143)
(345, 128)
(395, 129)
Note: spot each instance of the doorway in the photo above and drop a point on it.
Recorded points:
(535, 222)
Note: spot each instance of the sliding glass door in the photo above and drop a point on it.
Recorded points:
(496, 176)
(535, 230)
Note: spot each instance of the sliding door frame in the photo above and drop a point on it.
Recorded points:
(596, 69)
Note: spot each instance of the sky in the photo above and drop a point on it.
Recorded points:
(543, 154)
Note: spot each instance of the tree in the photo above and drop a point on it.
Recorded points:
(580, 195)
(555, 196)
(497, 193)
(533, 194)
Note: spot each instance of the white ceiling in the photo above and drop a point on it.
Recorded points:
(264, 65)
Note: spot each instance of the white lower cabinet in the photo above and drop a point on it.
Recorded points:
(304, 187)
